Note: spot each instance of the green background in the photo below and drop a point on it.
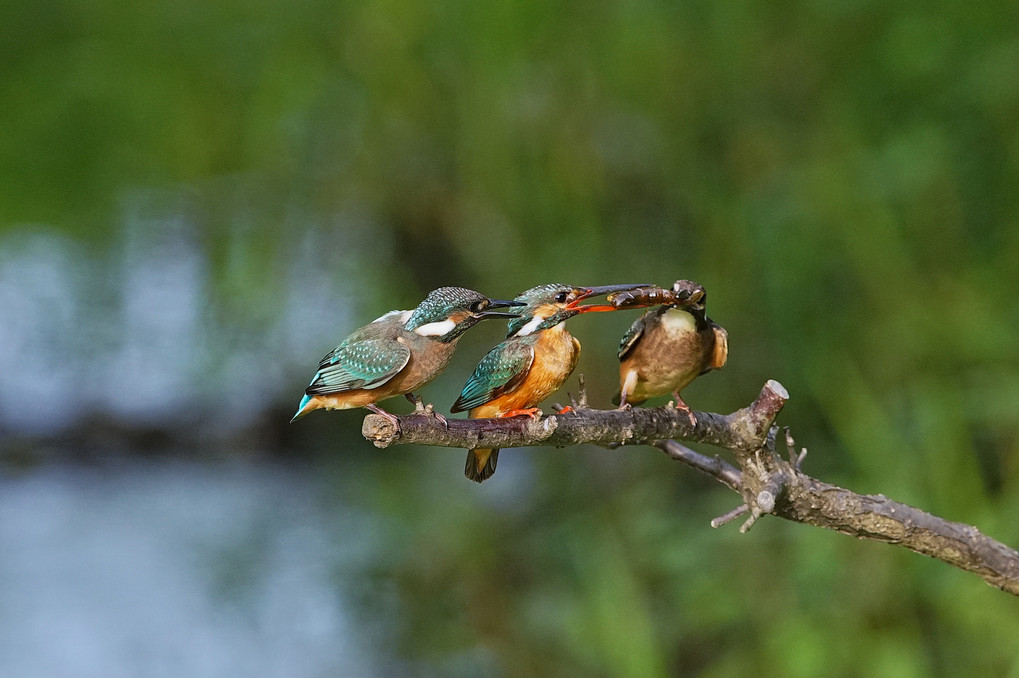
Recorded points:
(198, 200)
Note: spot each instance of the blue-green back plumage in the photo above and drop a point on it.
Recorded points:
(367, 363)
(368, 358)
(500, 370)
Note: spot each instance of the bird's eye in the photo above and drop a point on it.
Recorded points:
(479, 306)
(561, 297)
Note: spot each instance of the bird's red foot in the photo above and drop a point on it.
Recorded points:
(682, 406)
(532, 412)
(429, 410)
(565, 410)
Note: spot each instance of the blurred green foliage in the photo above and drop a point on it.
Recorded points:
(842, 177)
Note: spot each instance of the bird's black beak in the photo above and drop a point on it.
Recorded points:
(503, 303)
(597, 292)
(499, 303)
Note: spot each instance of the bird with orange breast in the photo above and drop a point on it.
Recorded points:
(534, 361)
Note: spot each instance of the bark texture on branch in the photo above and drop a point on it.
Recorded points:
(767, 482)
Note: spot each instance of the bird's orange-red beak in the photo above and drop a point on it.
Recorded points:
(598, 292)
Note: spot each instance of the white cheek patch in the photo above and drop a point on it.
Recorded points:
(436, 329)
(531, 325)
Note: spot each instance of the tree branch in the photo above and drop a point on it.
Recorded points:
(767, 482)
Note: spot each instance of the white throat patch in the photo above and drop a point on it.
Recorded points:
(677, 321)
(531, 325)
(436, 329)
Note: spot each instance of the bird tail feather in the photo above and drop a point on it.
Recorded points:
(303, 408)
(481, 464)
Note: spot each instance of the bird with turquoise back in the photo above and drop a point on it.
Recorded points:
(398, 353)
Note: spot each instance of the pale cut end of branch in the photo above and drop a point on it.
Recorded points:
(762, 412)
(777, 388)
(379, 430)
(764, 502)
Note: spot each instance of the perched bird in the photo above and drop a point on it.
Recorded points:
(670, 346)
(534, 361)
(398, 353)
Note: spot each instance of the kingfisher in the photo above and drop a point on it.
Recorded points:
(398, 353)
(670, 346)
(530, 365)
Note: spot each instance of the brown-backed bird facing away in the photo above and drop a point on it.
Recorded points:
(534, 361)
(397, 353)
(669, 346)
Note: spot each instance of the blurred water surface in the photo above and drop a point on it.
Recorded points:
(178, 569)
(135, 331)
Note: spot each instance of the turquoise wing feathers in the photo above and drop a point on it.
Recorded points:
(503, 367)
(367, 363)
